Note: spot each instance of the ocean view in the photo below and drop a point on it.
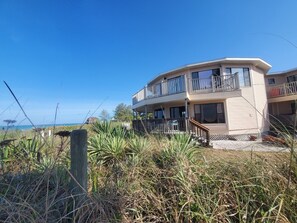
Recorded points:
(28, 127)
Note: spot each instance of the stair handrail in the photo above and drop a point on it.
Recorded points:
(198, 124)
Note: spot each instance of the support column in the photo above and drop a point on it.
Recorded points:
(145, 111)
(186, 115)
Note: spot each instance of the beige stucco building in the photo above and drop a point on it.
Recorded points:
(281, 90)
(226, 96)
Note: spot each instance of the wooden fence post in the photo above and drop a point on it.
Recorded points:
(79, 161)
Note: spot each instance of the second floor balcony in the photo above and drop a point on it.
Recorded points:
(286, 89)
(181, 84)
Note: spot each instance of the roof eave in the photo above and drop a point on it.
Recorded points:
(260, 63)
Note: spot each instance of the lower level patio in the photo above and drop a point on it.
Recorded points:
(162, 126)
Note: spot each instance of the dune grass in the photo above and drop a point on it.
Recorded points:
(136, 178)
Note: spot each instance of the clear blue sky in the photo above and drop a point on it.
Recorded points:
(84, 53)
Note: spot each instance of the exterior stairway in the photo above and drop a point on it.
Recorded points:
(199, 132)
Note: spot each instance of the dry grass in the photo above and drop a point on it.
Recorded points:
(148, 179)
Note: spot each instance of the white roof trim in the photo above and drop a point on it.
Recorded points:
(266, 66)
(283, 72)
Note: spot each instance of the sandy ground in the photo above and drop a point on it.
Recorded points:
(247, 146)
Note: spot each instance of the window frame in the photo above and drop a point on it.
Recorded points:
(247, 80)
(271, 78)
(159, 110)
(294, 77)
(181, 111)
(178, 85)
(197, 78)
(220, 115)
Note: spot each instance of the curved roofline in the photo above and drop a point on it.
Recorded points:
(283, 72)
(256, 61)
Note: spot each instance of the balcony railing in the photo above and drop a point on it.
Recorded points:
(194, 86)
(214, 84)
(282, 90)
(166, 87)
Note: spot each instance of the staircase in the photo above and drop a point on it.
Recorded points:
(199, 132)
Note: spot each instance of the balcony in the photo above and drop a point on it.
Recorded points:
(287, 89)
(214, 84)
(191, 86)
(167, 87)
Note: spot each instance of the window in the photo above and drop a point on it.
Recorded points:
(176, 85)
(158, 89)
(210, 113)
(243, 75)
(158, 114)
(292, 78)
(271, 81)
(202, 79)
(178, 112)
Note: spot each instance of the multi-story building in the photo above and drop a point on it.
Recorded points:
(220, 97)
(282, 95)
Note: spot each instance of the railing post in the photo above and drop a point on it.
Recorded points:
(186, 83)
(164, 87)
(190, 85)
(207, 138)
(285, 89)
(213, 83)
(236, 81)
(145, 92)
(79, 161)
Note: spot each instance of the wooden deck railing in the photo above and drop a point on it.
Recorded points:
(162, 126)
(200, 130)
(285, 89)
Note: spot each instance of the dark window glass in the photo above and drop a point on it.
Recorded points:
(158, 89)
(178, 112)
(243, 75)
(159, 114)
(292, 78)
(271, 81)
(176, 85)
(210, 113)
(246, 77)
(202, 79)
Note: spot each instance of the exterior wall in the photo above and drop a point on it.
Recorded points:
(248, 113)
(242, 117)
(280, 108)
(279, 79)
(260, 96)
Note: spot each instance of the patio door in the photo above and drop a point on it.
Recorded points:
(209, 113)
(177, 112)
(176, 85)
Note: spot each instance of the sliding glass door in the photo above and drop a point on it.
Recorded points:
(176, 85)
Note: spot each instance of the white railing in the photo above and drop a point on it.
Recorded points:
(195, 86)
(214, 84)
(285, 89)
(139, 96)
(166, 87)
